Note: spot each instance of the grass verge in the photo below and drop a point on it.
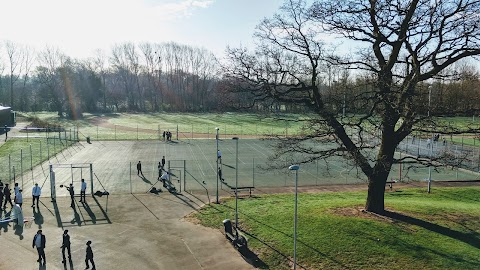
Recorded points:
(440, 230)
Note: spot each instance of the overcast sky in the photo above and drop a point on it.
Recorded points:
(78, 27)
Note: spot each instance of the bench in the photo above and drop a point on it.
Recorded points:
(390, 183)
(239, 189)
(240, 242)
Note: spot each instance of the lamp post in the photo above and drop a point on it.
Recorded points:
(430, 167)
(216, 154)
(236, 186)
(429, 99)
(295, 168)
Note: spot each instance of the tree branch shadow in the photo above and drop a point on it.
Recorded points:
(468, 238)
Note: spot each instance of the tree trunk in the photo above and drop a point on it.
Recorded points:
(376, 193)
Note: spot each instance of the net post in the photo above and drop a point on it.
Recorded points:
(184, 175)
(52, 183)
(91, 178)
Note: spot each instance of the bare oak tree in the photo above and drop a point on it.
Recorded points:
(402, 45)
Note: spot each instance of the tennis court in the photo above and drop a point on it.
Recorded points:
(193, 166)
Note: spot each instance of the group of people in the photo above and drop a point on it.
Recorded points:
(39, 242)
(6, 195)
(71, 191)
(167, 135)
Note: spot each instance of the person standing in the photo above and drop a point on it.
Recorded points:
(89, 256)
(72, 195)
(16, 188)
(163, 135)
(159, 170)
(7, 194)
(6, 132)
(163, 163)
(66, 245)
(36, 191)
(220, 174)
(39, 241)
(219, 156)
(165, 178)
(83, 189)
(19, 198)
(1, 194)
(139, 168)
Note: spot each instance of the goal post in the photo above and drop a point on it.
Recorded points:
(66, 174)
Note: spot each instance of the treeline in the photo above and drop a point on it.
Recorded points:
(151, 77)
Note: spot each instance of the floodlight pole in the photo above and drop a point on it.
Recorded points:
(430, 167)
(216, 154)
(429, 99)
(236, 186)
(295, 168)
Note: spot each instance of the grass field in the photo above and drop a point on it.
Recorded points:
(440, 230)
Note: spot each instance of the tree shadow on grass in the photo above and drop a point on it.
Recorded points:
(299, 242)
(472, 238)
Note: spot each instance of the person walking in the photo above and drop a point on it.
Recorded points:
(66, 246)
(19, 198)
(89, 256)
(39, 241)
(139, 168)
(83, 189)
(36, 191)
(7, 194)
(72, 195)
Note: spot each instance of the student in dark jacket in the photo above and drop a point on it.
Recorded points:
(66, 245)
(89, 256)
(39, 242)
(7, 194)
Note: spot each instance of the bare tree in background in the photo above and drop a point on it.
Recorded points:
(15, 54)
(404, 43)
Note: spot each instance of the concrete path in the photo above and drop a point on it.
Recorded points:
(140, 231)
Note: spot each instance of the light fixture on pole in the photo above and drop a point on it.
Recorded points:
(216, 154)
(236, 186)
(295, 168)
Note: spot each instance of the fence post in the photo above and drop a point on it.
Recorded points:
(9, 168)
(177, 140)
(253, 172)
(31, 160)
(21, 165)
(91, 179)
(131, 178)
(184, 175)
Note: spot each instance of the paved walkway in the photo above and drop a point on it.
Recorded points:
(140, 231)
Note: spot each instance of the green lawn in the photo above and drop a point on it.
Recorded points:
(25, 154)
(440, 230)
(146, 126)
